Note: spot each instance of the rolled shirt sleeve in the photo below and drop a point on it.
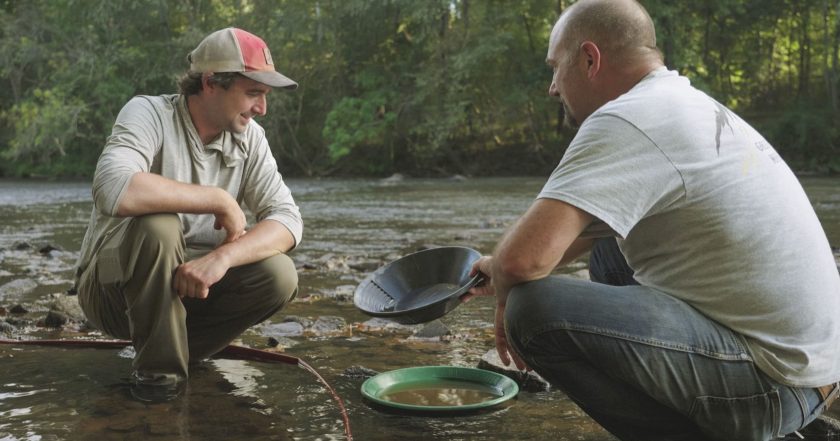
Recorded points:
(130, 149)
(265, 193)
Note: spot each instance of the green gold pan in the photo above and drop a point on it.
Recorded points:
(439, 389)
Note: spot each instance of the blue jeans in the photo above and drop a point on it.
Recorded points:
(645, 365)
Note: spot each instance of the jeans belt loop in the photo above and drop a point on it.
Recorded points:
(829, 393)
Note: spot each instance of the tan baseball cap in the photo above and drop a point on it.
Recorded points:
(235, 50)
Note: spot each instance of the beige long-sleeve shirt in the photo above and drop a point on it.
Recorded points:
(155, 134)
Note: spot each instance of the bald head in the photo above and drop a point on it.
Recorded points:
(622, 30)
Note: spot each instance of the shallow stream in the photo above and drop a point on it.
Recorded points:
(351, 227)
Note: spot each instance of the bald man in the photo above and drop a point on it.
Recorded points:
(712, 312)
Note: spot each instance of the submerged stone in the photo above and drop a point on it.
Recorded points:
(17, 288)
(285, 329)
(432, 330)
(358, 372)
(55, 319)
(329, 325)
(383, 325)
(280, 343)
(48, 249)
(69, 306)
(7, 328)
(366, 266)
(304, 321)
(528, 381)
(393, 179)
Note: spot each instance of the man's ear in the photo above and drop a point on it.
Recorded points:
(206, 84)
(592, 56)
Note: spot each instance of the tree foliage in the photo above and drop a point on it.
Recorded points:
(421, 87)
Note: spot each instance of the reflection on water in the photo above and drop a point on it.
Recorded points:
(56, 394)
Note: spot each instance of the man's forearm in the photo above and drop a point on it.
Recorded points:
(537, 244)
(150, 193)
(267, 238)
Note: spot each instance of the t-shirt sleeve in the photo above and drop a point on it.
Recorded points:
(130, 149)
(614, 172)
(265, 193)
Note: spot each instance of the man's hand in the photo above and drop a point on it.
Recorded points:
(194, 278)
(506, 354)
(484, 265)
(485, 288)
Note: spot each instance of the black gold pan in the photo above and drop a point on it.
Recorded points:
(419, 287)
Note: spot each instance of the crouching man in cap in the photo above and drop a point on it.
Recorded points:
(167, 260)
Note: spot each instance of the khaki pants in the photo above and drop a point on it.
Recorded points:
(126, 291)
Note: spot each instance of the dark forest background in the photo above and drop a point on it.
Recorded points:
(421, 87)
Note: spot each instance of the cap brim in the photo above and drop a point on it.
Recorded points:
(272, 78)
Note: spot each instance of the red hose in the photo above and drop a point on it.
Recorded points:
(231, 352)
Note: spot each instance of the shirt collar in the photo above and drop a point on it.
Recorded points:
(230, 145)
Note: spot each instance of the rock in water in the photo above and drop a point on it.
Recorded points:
(358, 372)
(55, 319)
(528, 381)
(17, 288)
(433, 329)
(69, 306)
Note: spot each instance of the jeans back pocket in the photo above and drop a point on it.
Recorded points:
(756, 417)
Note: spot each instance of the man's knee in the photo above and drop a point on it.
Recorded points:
(527, 310)
(281, 278)
(157, 229)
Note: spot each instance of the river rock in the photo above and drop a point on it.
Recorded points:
(359, 372)
(21, 245)
(285, 329)
(365, 266)
(341, 293)
(18, 309)
(432, 330)
(580, 274)
(55, 319)
(305, 266)
(7, 328)
(127, 353)
(393, 179)
(383, 325)
(304, 321)
(329, 325)
(458, 178)
(50, 250)
(529, 381)
(69, 306)
(17, 288)
(331, 262)
(280, 342)
(19, 322)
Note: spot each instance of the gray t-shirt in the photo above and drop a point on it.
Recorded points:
(156, 135)
(707, 211)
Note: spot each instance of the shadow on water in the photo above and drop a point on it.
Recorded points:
(352, 226)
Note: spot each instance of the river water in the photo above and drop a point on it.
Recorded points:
(351, 226)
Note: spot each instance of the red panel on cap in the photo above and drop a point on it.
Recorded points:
(254, 51)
